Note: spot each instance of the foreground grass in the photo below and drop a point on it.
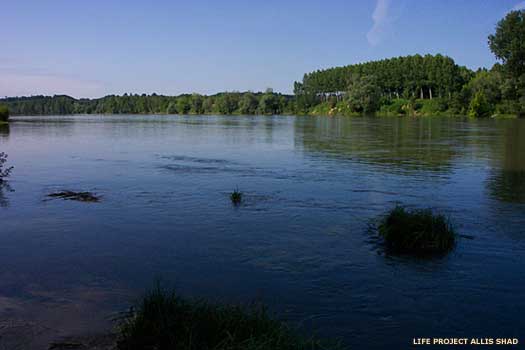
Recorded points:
(163, 320)
(417, 231)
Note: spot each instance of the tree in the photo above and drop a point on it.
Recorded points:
(172, 108)
(196, 104)
(4, 113)
(489, 82)
(248, 103)
(508, 43)
(363, 94)
(226, 103)
(479, 106)
(183, 104)
(268, 104)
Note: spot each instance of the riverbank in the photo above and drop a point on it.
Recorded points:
(398, 108)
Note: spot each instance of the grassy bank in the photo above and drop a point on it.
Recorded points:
(163, 320)
(400, 108)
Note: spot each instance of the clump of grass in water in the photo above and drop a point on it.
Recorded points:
(163, 320)
(236, 197)
(417, 231)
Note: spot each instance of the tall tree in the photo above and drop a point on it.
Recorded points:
(508, 43)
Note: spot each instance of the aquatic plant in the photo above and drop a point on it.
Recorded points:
(163, 320)
(5, 172)
(417, 231)
(75, 196)
(236, 197)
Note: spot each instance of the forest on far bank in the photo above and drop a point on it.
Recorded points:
(410, 85)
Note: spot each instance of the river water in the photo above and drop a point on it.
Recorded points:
(303, 241)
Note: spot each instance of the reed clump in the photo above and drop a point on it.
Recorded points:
(417, 231)
(164, 320)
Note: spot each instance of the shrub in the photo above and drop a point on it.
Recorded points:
(417, 231)
(394, 107)
(433, 107)
(163, 320)
(479, 107)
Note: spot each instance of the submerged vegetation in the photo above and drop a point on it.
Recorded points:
(163, 320)
(417, 231)
(236, 197)
(76, 196)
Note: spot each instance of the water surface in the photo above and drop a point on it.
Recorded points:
(303, 241)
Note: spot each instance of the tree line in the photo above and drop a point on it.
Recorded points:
(222, 103)
(425, 84)
(410, 85)
(411, 76)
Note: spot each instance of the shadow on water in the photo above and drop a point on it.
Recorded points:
(4, 130)
(396, 144)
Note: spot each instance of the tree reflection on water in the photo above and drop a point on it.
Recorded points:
(507, 179)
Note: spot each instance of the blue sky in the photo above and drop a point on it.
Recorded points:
(93, 48)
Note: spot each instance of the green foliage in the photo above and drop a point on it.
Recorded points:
(489, 82)
(183, 104)
(222, 103)
(417, 231)
(4, 113)
(410, 85)
(394, 107)
(226, 103)
(248, 104)
(436, 106)
(508, 43)
(163, 320)
(396, 77)
(196, 102)
(269, 103)
(172, 108)
(479, 106)
(363, 94)
(410, 108)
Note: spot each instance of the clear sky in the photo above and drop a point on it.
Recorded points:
(98, 47)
